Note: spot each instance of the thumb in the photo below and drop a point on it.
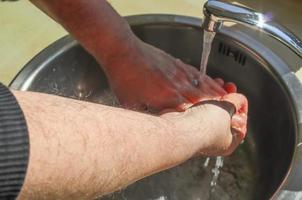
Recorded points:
(239, 119)
(238, 100)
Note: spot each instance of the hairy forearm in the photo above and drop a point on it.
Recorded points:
(82, 150)
(94, 24)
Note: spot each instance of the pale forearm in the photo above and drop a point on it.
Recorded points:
(81, 150)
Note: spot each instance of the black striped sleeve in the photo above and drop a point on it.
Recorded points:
(14, 145)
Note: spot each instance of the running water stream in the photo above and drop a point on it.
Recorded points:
(208, 38)
(206, 49)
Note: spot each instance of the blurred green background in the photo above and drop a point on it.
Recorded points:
(25, 30)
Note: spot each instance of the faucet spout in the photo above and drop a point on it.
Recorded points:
(217, 12)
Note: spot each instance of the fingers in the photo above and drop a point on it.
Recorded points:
(239, 119)
(239, 124)
(191, 71)
(219, 81)
(230, 87)
(217, 89)
(176, 102)
(213, 85)
(197, 95)
(205, 85)
(193, 92)
(209, 88)
(236, 141)
(238, 100)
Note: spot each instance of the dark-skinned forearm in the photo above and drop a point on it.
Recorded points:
(95, 24)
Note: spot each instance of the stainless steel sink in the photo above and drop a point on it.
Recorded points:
(270, 157)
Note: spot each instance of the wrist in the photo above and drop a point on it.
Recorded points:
(187, 131)
(204, 128)
(119, 47)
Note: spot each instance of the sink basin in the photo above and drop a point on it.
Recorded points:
(266, 162)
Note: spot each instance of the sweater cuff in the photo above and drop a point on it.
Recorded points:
(14, 145)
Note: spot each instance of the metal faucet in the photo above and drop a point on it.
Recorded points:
(216, 13)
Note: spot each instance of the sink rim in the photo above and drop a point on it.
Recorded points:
(280, 70)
